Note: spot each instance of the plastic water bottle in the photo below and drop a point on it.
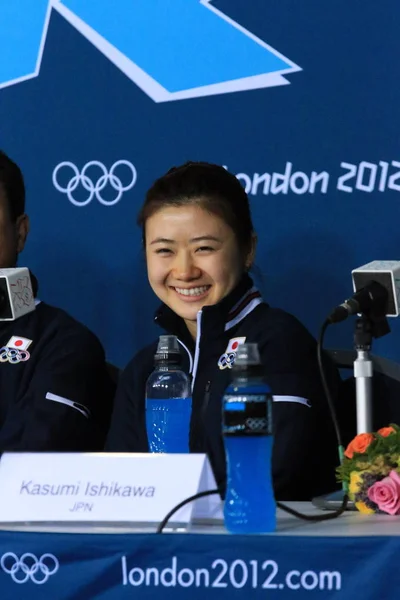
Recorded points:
(247, 429)
(168, 400)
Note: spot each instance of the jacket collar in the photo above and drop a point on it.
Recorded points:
(216, 318)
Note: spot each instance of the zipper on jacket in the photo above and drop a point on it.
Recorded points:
(206, 400)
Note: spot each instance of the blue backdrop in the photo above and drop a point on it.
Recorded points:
(299, 99)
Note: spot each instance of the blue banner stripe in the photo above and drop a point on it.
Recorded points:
(181, 44)
(21, 31)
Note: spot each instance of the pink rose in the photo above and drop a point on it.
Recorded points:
(386, 494)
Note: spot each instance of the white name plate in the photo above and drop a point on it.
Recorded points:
(104, 487)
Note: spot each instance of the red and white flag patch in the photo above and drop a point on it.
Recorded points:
(234, 344)
(18, 342)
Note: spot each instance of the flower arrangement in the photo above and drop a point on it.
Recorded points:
(371, 471)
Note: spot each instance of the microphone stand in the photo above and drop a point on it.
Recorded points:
(363, 373)
(366, 327)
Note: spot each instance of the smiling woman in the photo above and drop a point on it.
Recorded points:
(200, 243)
(197, 243)
(188, 271)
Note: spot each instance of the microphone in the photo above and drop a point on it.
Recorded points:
(16, 294)
(377, 292)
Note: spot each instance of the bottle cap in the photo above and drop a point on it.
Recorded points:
(168, 350)
(168, 344)
(247, 355)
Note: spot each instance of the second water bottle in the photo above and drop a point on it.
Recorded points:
(247, 430)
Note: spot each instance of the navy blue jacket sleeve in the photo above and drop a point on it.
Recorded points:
(305, 447)
(67, 403)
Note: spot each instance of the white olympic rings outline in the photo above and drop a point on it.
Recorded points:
(30, 571)
(13, 356)
(227, 360)
(94, 188)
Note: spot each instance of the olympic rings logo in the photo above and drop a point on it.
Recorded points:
(257, 424)
(13, 356)
(29, 566)
(226, 360)
(94, 187)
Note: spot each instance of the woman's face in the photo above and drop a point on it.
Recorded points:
(193, 259)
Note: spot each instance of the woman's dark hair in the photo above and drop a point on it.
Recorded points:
(209, 186)
(12, 182)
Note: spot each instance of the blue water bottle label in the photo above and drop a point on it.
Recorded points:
(247, 414)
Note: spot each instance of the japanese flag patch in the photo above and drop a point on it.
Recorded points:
(234, 344)
(19, 343)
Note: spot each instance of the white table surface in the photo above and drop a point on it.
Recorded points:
(349, 524)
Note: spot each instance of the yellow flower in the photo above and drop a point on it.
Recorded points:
(362, 465)
(380, 469)
(355, 483)
(363, 508)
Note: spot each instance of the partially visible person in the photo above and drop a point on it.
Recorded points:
(200, 243)
(55, 390)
